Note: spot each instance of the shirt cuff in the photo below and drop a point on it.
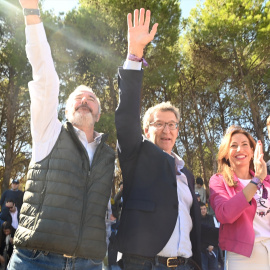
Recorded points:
(35, 33)
(132, 65)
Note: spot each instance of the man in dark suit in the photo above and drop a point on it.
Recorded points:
(160, 221)
(10, 213)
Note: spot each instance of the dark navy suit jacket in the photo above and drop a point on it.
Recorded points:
(150, 202)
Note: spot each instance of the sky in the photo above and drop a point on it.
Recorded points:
(66, 5)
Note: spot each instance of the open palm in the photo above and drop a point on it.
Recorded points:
(138, 33)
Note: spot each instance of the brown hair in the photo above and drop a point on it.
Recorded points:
(223, 163)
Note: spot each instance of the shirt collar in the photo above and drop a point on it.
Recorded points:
(97, 136)
(179, 162)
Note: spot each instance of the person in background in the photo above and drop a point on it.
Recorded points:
(239, 197)
(200, 189)
(209, 240)
(118, 201)
(6, 241)
(10, 213)
(198, 196)
(14, 194)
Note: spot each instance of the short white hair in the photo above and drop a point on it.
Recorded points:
(163, 107)
(73, 94)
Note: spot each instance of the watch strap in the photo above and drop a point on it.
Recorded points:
(31, 11)
(256, 181)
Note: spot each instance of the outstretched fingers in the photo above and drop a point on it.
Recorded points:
(142, 11)
(129, 20)
(153, 31)
(147, 18)
(136, 17)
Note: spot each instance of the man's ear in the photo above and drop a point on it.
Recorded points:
(98, 117)
(146, 132)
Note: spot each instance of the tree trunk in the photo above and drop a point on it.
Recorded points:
(11, 103)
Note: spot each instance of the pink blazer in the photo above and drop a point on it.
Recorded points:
(235, 214)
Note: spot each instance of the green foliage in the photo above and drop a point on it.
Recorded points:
(217, 71)
(106, 125)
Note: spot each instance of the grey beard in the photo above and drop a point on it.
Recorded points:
(79, 120)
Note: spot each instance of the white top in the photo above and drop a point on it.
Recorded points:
(14, 217)
(261, 222)
(179, 244)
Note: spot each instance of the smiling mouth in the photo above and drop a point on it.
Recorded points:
(240, 156)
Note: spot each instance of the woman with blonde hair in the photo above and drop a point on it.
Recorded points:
(239, 197)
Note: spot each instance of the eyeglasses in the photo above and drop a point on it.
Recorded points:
(162, 125)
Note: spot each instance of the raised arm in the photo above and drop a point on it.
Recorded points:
(44, 88)
(260, 171)
(30, 4)
(127, 117)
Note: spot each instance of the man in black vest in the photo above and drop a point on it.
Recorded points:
(160, 221)
(62, 219)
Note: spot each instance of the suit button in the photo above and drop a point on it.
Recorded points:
(175, 206)
(174, 184)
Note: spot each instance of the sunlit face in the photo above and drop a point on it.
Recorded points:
(164, 137)
(84, 109)
(240, 151)
(203, 210)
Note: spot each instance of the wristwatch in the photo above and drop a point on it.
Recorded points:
(31, 11)
(256, 181)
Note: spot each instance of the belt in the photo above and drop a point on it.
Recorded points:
(68, 256)
(172, 261)
(168, 261)
(47, 252)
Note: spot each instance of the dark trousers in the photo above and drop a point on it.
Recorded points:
(137, 263)
(210, 262)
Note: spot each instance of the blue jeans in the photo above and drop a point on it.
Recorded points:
(210, 262)
(135, 263)
(25, 259)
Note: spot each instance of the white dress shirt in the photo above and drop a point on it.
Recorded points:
(179, 243)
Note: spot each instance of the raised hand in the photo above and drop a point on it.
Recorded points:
(138, 33)
(29, 3)
(259, 163)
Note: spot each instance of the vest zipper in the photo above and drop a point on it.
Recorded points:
(82, 218)
(84, 199)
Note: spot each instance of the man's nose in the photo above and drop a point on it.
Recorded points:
(166, 128)
(84, 100)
